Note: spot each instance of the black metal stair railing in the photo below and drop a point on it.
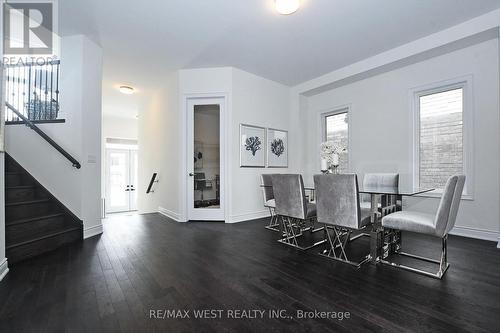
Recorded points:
(30, 124)
(33, 90)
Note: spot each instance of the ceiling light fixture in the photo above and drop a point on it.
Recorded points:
(126, 90)
(286, 7)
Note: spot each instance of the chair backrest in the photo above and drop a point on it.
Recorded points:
(267, 189)
(289, 194)
(448, 206)
(199, 180)
(381, 180)
(337, 200)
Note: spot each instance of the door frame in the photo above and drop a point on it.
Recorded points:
(225, 132)
(129, 152)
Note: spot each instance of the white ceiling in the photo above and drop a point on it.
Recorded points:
(143, 41)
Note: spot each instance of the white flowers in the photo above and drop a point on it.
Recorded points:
(330, 151)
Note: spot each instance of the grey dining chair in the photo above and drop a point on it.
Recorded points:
(269, 201)
(379, 180)
(338, 207)
(201, 184)
(295, 213)
(437, 225)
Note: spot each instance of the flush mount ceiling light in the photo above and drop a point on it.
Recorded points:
(126, 90)
(287, 7)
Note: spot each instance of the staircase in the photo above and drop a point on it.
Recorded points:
(35, 221)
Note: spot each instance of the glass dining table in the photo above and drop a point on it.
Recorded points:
(383, 200)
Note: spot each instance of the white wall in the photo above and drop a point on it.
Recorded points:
(80, 135)
(159, 149)
(119, 128)
(251, 100)
(381, 127)
(261, 102)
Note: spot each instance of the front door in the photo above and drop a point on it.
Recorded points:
(121, 180)
(205, 159)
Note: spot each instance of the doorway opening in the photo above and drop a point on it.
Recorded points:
(206, 159)
(121, 175)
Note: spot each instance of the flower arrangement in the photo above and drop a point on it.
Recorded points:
(329, 152)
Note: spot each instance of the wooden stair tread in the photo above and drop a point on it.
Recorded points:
(31, 219)
(54, 234)
(19, 187)
(36, 221)
(27, 202)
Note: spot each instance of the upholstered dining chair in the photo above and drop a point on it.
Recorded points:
(437, 225)
(295, 213)
(387, 180)
(269, 202)
(338, 207)
(201, 184)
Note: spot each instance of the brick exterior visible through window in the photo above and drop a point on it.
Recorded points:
(441, 152)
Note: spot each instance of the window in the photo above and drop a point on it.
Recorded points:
(336, 129)
(441, 135)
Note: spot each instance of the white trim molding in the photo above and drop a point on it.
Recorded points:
(321, 119)
(249, 216)
(92, 231)
(466, 84)
(170, 214)
(4, 269)
(477, 233)
(225, 146)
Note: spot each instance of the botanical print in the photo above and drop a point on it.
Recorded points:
(252, 152)
(253, 144)
(277, 148)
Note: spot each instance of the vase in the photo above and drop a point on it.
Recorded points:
(334, 169)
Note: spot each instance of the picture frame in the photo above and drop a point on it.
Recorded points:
(252, 146)
(277, 148)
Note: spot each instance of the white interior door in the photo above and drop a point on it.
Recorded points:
(121, 180)
(205, 154)
(133, 179)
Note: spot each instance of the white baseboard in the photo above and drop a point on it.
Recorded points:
(249, 216)
(92, 231)
(4, 269)
(489, 235)
(170, 214)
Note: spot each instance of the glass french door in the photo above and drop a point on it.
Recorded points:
(121, 180)
(205, 159)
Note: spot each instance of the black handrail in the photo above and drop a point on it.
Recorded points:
(35, 128)
(153, 180)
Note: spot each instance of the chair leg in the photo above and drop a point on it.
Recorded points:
(273, 222)
(290, 236)
(312, 222)
(443, 262)
(336, 246)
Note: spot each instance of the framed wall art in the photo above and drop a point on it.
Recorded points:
(277, 148)
(252, 146)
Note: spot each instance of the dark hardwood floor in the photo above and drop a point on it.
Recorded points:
(111, 282)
